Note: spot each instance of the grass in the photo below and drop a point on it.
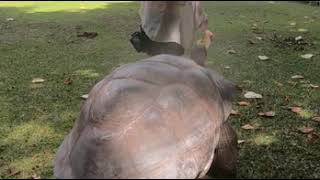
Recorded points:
(41, 42)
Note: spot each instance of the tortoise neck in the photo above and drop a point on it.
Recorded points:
(199, 55)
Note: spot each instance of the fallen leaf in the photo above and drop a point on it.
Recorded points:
(316, 119)
(296, 109)
(251, 41)
(248, 127)
(259, 38)
(293, 23)
(234, 112)
(278, 83)
(307, 56)
(254, 26)
(306, 130)
(67, 81)
(227, 67)
(231, 51)
(35, 177)
(302, 30)
(85, 96)
(241, 141)
(247, 81)
(263, 58)
(304, 81)
(298, 38)
(314, 86)
(243, 103)
(297, 77)
(267, 114)
(252, 95)
(37, 80)
(9, 19)
(270, 114)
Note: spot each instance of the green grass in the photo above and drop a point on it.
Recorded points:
(41, 42)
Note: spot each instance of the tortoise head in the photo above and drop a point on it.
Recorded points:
(206, 39)
(199, 52)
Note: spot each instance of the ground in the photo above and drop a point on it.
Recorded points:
(40, 41)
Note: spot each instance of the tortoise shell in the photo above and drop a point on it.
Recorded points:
(157, 118)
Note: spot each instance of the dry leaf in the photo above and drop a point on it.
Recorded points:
(231, 51)
(35, 177)
(296, 109)
(252, 95)
(297, 77)
(270, 114)
(85, 96)
(267, 114)
(293, 23)
(263, 58)
(37, 80)
(307, 56)
(234, 112)
(278, 83)
(316, 119)
(259, 38)
(251, 41)
(227, 67)
(9, 19)
(302, 30)
(254, 26)
(243, 103)
(304, 81)
(248, 127)
(247, 81)
(241, 141)
(306, 130)
(314, 86)
(299, 38)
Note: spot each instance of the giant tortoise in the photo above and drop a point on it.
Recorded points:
(161, 117)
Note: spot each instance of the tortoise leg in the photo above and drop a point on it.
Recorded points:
(225, 159)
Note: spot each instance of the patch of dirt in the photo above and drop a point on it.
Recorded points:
(89, 35)
(291, 42)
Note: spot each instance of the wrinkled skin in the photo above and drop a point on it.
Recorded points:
(157, 118)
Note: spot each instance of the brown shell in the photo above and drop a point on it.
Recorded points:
(226, 154)
(156, 118)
